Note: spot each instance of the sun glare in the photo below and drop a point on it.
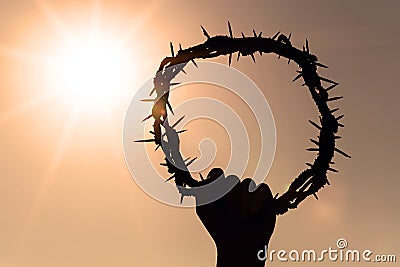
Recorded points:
(92, 72)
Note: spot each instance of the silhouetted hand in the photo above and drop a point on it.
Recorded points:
(241, 222)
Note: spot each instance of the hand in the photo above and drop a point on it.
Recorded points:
(241, 222)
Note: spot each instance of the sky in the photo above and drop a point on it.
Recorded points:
(66, 195)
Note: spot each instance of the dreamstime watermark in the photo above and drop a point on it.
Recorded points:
(340, 253)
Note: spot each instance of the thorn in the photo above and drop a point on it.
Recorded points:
(172, 49)
(340, 125)
(194, 63)
(312, 149)
(148, 117)
(205, 32)
(327, 80)
(307, 47)
(148, 100)
(297, 77)
(321, 65)
(260, 52)
(180, 47)
(259, 35)
(309, 164)
(332, 170)
(315, 125)
(290, 35)
(288, 61)
(331, 87)
(339, 117)
(182, 198)
(255, 34)
(341, 152)
(334, 110)
(315, 195)
(314, 142)
(304, 49)
(279, 56)
(152, 91)
(186, 159)
(276, 195)
(332, 162)
(170, 107)
(328, 182)
(238, 56)
(170, 178)
(181, 131)
(230, 29)
(201, 176)
(163, 164)
(243, 35)
(172, 84)
(252, 56)
(178, 121)
(157, 147)
(334, 98)
(338, 137)
(191, 161)
(230, 59)
(276, 35)
(183, 71)
(145, 140)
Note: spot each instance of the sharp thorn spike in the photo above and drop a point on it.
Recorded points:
(148, 100)
(307, 47)
(201, 176)
(172, 84)
(157, 147)
(342, 153)
(181, 131)
(334, 110)
(321, 65)
(276, 195)
(327, 80)
(339, 117)
(309, 164)
(152, 91)
(180, 46)
(334, 98)
(314, 142)
(178, 121)
(290, 35)
(243, 35)
(172, 49)
(332, 170)
(328, 182)
(255, 34)
(340, 125)
(276, 35)
(170, 178)
(297, 77)
(163, 164)
(238, 56)
(230, 59)
(312, 149)
(252, 57)
(187, 159)
(191, 161)
(230, 29)
(183, 71)
(170, 107)
(259, 35)
(331, 87)
(315, 195)
(194, 63)
(279, 56)
(182, 198)
(338, 137)
(288, 61)
(145, 140)
(315, 125)
(148, 117)
(205, 32)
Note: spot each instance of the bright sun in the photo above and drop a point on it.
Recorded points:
(91, 72)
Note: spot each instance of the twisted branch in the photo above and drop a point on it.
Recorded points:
(311, 180)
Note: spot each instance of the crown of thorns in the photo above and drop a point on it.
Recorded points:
(312, 179)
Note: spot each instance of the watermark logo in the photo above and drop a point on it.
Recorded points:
(340, 253)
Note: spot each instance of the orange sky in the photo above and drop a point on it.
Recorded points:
(66, 196)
